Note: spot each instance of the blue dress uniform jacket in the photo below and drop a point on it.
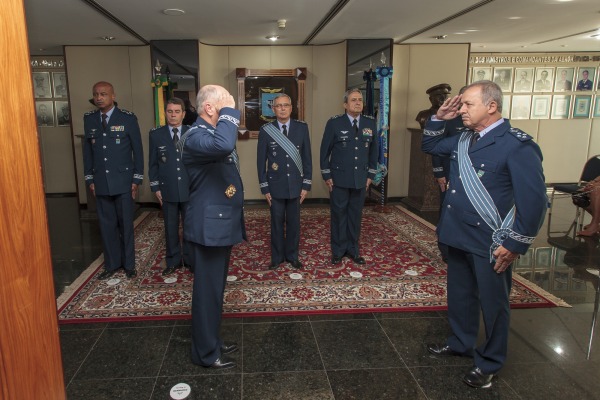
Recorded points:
(277, 172)
(347, 158)
(214, 216)
(165, 166)
(509, 165)
(441, 165)
(114, 159)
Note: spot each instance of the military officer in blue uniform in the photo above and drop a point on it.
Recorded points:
(494, 207)
(585, 83)
(214, 220)
(284, 165)
(113, 163)
(169, 181)
(348, 164)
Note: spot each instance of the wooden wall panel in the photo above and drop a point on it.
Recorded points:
(30, 360)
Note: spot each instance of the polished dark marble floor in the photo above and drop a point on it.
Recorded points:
(352, 356)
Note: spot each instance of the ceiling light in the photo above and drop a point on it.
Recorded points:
(471, 30)
(281, 24)
(173, 12)
(107, 38)
(439, 37)
(515, 17)
(460, 33)
(524, 46)
(273, 38)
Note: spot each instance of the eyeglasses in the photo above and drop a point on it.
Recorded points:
(285, 105)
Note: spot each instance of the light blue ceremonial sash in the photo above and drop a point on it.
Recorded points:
(286, 144)
(480, 198)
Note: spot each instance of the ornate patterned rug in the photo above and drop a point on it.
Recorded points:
(403, 273)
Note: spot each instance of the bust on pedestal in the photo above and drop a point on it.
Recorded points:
(422, 188)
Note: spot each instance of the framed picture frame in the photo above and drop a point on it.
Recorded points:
(564, 79)
(506, 100)
(481, 74)
(596, 112)
(44, 112)
(585, 78)
(561, 105)
(540, 106)
(258, 87)
(582, 105)
(543, 257)
(544, 76)
(59, 84)
(523, 80)
(503, 77)
(41, 85)
(63, 113)
(520, 107)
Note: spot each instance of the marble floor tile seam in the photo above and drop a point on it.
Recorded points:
(391, 342)
(166, 351)
(91, 349)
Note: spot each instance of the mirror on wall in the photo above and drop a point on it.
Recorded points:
(178, 58)
(363, 58)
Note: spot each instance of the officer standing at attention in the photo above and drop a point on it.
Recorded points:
(494, 207)
(169, 181)
(284, 165)
(113, 163)
(214, 220)
(348, 164)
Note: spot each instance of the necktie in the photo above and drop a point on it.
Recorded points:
(284, 128)
(104, 116)
(474, 139)
(355, 125)
(175, 136)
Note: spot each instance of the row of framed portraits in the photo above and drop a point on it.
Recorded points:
(52, 113)
(539, 79)
(46, 86)
(546, 106)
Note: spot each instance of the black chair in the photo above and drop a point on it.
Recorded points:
(591, 170)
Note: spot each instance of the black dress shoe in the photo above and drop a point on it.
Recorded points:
(189, 267)
(221, 363)
(130, 273)
(336, 260)
(356, 259)
(228, 348)
(105, 275)
(273, 266)
(441, 350)
(296, 264)
(477, 379)
(168, 271)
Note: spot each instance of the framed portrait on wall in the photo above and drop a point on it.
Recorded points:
(59, 84)
(503, 77)
(506, 106)
(481, 74)
(585, 78)
(582, 106)
(596, 113)
(41, 85)
(63, 113)
(543, 79)
(561, 105)
(523, 80)
(564, 79)
(520, 107)
(540, 106)
(44, 111)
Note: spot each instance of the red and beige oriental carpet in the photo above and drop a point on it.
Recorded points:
(403, 273)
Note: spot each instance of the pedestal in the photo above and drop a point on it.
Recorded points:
(423, 191)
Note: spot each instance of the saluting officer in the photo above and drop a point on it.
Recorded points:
(284, 165)
(113, 162)
(348, 164)
(169, 181)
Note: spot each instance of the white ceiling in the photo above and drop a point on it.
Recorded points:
(542, 25)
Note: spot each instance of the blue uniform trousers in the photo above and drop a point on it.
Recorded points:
(171, 213)
(211, 265)
(473, 285)
(115, 215)
(285, 229)
(346, 214)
